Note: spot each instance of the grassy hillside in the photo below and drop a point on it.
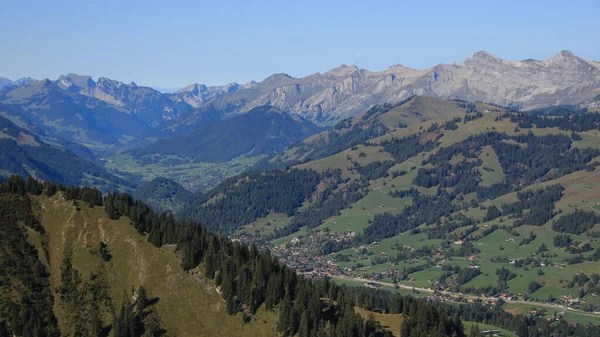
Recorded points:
(390, 119)
(185, 303)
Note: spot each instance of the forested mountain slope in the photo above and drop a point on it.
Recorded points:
(488, 202)
(95, 272)
(24, 153)
(165, 195)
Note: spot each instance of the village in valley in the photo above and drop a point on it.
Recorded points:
(303, 254)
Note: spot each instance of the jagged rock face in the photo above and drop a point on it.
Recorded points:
(347, 90)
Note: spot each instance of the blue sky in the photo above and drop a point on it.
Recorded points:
(174, 43)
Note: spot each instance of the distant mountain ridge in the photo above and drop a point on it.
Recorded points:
(7, 83)
(262, 131)
(196, 94)
(348, 90)
(107, 115)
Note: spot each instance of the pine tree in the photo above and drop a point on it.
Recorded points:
(125, 326)
(285, 312)
(474, 331)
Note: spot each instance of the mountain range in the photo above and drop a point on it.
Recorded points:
(348, 90)
(108, 114)
(488, 212)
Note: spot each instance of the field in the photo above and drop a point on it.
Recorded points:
(423, 108)
(357, 216)
(491, 171)
(344, 160)
(503, 332)
(391, 322)
(267, 225)
(570, 316)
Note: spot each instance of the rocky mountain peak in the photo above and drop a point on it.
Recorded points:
(347, 90)
(276, 79)
(80, 81)
(107, 82)
(483, 56)
(343, 70)
(564, 57)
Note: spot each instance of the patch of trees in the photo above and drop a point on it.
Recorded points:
(563, 240)
(402, 149)
(255, 195)
(504, 275)
(456, 276)
(586, 247)
(472, 116)
(442, 230)
(469, 106)
(528, 239)
(329, 204)
(461, 176)
(576, 122)
(424, 209)
(492, 213)
(451, 124)
(533, 287)
(137, 319)
(103, 251)
(374, 170)
(577, 222)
